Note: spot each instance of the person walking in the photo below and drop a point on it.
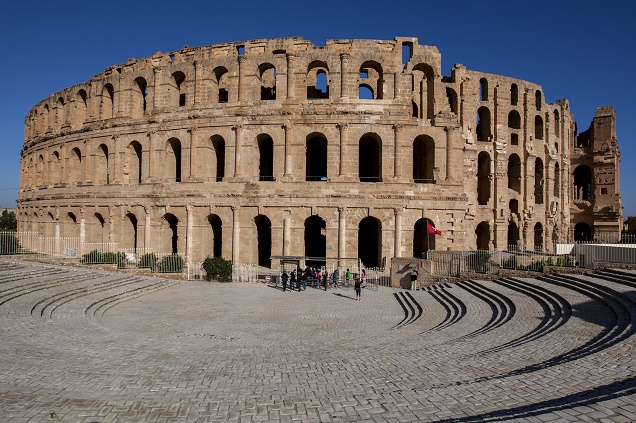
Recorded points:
(325, 278)
(292, 280)
(347, 278)
(299, 279)
(284, 278)
(363, 279)
(334, 278)
(414, 275)
(358, 289)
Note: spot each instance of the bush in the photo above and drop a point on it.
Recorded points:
(510, 263)
(148, 261)
(218, 268)
(565, 261)
(170, 264)
(99, 257)
(478, 261)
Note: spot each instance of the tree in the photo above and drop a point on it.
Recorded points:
(8, 221)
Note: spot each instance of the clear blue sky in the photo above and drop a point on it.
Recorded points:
(580, 50)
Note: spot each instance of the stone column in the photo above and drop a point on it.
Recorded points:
(198, 81)
(397, 251)
(341, 232)
(343, 148)
(156, 87)
(189, 233)
(146, 229)
(57, 236)
(193, 153)
(290, 76)
(151, 156)
(82, 234)
(450, 162)
(241, 82)
(111, 224)
(423, 98)
(86, 164)
(286, 235)
(117, 161)
(344, 61)
(397, 168)
(288, 157)
(237, 150)
(235, 234)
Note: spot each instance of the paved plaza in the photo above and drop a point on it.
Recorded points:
(79, 345)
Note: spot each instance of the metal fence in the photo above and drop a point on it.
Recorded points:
(456, 263)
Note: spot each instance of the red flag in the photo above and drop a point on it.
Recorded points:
(433, 230)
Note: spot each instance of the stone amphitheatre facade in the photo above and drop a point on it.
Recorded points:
(277, 147)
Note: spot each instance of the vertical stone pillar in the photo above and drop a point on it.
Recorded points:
(237, 150)
(423, 98)
(111, 225)
(193, 153)
(57, 235)
(235, 234)
(286, 235)
(341, 232)
(87, 170)
(396, 85)
(46, 177)
(198, 81)
(152, 176)
(63, 167)
(288, 157)
(397, 251)
(189, 225)
(82, 234)
(344, 62)
(290, 77)
(397, 163)
(147, 228)
(450, 159)
(156, 89)
(116, 174)
(343, 148)
(241, 81)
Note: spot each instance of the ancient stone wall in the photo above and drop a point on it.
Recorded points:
(278, 147)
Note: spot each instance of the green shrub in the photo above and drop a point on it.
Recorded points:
(478, 260)
(98, 257)
(565, 261)
(218, 268)
(170, 264)
(148, 261)
(510, 263)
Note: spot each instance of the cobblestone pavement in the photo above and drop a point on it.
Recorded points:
(81, 345)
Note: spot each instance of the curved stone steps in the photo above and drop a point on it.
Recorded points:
(503, 309)
(24, 289)
(455, 308)
(412, 309)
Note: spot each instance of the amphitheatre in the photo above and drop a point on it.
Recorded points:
(265, 150)
(277, 147)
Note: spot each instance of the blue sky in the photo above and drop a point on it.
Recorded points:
(579, 50)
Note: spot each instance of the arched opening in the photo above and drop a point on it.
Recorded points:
(55, 168)
(538, 99)
(138, 100)
(60, 113)
(216, 232)
(221, 80)
(371, 77)
(101, 165)
(513, 205)
(108, 101)
(514, 95)
(179, 89)
(173, 160)
(40, 171)
(483, 124)
(365, 92)
(80, 109)
(557, 123)
(557, 180)
(513, 236)
(267, 76)
(264, 240)
(483, 236)
(218, 145)
(423, 241)
(134, 162)
(514, 120)
(582, 232)
(583, 183)
(483, 89)
(423, 159)
(317, 81)
(538, 237)
(538, 181)
(483, 178)
(75, 166)
(370, 241)
(370, 159)
(71, 228)
(97, 231)
(128, 236)
(514, 139)
(514, 173)
(266, 158)
(316, 158)
(414, 110)
(538, 127)
(315, 240)
(173, 232)
(424, 90)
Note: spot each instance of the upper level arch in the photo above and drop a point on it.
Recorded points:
(317, 80)
(267, 78)
(371, 76)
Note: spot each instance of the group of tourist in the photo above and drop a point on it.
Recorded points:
(299, 278)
